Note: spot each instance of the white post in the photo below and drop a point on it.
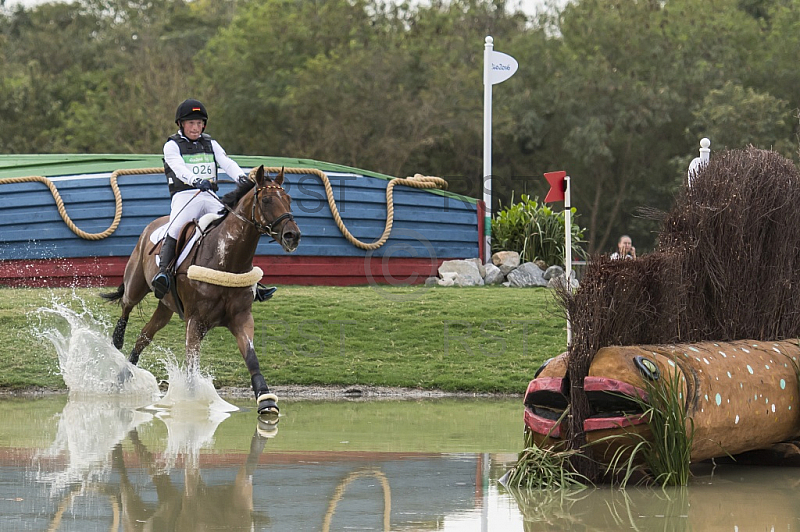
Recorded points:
(705, 150)
(698, 163)
(487, 149)
(568, 245)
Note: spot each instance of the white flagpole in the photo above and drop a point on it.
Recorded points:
(568, 245)
(487, 149)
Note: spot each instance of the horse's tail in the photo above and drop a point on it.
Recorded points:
(116, 296)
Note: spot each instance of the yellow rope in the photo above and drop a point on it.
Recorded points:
(63, 211)
(418, 181)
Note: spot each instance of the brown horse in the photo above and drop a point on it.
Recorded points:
(261, 208)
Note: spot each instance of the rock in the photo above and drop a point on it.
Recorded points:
(506, 261)
(493, 275)
(466, 272)
(560, 279)
(527, 275)
(448, 279)
(541, 264)
(553, 271)
(479, 264)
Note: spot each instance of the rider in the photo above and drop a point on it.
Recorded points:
(191, 158)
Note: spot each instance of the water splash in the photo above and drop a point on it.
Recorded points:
(88, 429)
(190, 391)
(91, 365)
(88, 361)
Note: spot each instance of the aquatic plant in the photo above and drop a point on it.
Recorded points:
(540, 468)
(664, 455)
(668, 453)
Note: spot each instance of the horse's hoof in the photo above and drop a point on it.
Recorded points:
(267, 428)
(268, 405)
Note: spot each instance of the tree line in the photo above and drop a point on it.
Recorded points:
(616, 92)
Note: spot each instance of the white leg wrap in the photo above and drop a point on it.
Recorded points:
(267, 396)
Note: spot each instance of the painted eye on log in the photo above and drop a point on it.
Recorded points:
(647, 367)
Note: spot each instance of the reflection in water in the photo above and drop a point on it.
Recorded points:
(340, 489)
(135, 470)
(107, 461)
(196, 505)
(88, 429)
(716, 499)
(92, 438)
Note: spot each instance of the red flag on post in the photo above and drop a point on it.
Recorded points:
(557, 186)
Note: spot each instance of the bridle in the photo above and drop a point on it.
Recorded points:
(263, 229)
(266, 229)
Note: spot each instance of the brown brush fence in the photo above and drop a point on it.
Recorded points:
(727, 267)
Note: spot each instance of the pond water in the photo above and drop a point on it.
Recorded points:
(106, 463)
(118, 455)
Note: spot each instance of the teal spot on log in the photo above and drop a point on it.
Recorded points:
(718, 399)
(783, 384)
(749, 369)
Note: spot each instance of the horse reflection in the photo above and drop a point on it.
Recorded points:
(89, 465)
(195, 505)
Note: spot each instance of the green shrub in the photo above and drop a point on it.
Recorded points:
(535, 232)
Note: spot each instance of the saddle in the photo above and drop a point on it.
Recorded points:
(190, 235)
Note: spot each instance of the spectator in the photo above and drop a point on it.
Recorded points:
(625, 249)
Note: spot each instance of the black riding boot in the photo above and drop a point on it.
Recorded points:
(163, 279)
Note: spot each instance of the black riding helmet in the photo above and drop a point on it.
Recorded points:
(191, 110)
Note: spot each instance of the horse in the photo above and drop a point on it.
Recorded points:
(226, 251)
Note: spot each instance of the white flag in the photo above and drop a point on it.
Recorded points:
(502, 67)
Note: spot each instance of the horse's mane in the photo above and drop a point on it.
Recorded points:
(232, 198)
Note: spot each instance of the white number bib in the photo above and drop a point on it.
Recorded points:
(202, 165)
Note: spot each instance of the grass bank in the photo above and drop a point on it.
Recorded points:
(488, 339)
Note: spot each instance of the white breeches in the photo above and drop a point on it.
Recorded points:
(186, 207)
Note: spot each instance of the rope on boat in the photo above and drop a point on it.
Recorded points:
(63, 211)
(418, 181)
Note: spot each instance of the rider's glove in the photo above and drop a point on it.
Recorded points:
(202, 184)
(243, 180)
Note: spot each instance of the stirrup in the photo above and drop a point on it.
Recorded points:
(161, 284)
(263, 293)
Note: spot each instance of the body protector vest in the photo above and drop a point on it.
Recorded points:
(199, 157)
